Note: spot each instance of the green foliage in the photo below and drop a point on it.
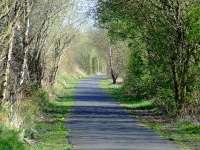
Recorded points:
(165, 102)
(193, 18)
(139, 81)
(163, 37)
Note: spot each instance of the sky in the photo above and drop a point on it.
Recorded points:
(85, 8)
(80, 15)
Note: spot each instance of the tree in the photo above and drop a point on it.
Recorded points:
(27, 29)
(165, 28)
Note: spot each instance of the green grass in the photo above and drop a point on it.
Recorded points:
(9, 140)
(182, 132)
(179, 131)
(50, 131)
(127, 101)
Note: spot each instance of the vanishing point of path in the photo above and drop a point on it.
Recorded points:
(99, 123)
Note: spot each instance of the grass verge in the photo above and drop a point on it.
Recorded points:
(125, 100)
(51, 133)
(44, 117)
(179, 131)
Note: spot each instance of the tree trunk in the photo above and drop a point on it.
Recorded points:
(176, 84)
(7, 93)
(25, 71)
(3, 61)
(114, 77)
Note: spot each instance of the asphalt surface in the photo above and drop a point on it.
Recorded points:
(97, 122)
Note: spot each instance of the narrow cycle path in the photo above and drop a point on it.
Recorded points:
(99, 123)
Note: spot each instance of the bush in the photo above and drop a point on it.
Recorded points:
(165, 101)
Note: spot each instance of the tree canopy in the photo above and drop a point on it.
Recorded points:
(163, 36)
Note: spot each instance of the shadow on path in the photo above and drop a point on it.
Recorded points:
(99, 123)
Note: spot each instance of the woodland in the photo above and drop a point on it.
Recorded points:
(150, 47)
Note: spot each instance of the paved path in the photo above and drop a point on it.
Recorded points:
(99, 123)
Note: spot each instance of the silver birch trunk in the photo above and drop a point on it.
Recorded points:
(7, 93)
(25, 71)
(3, 60)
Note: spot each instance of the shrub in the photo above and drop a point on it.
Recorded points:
(165, 101)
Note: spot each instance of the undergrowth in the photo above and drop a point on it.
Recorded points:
(44, 119)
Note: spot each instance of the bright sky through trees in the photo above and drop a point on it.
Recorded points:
(81, 15)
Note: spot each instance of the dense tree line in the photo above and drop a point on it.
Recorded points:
(32, 39)
(164, 41)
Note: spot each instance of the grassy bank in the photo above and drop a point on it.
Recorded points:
(180, 131)
(46, 116)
